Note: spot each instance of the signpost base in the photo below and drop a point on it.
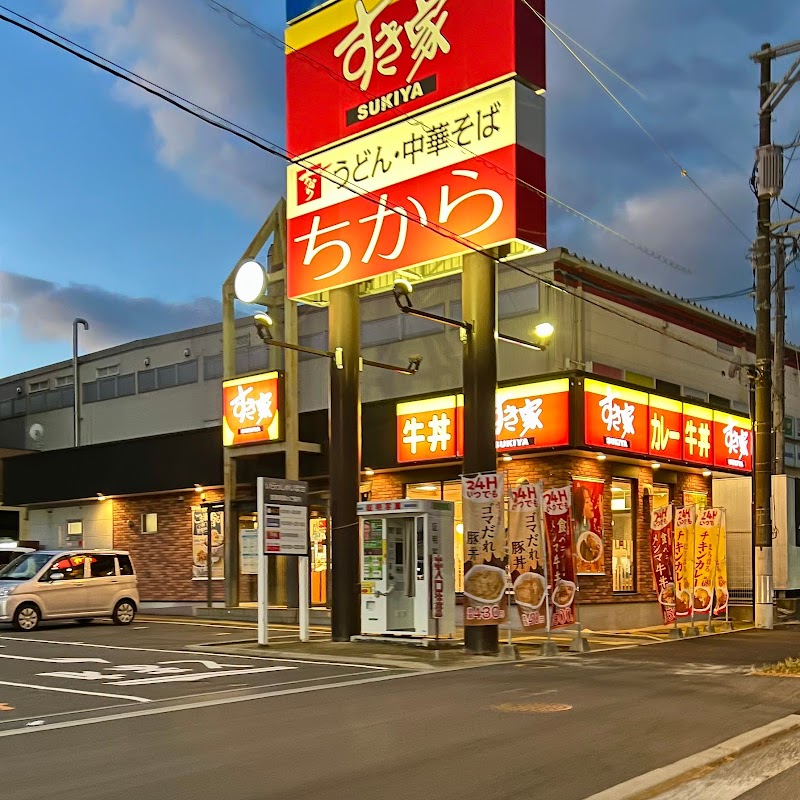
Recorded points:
(549, 648)
(509, 652)
(675, 633)
(709, 628)
(580, 644)
(727, 626)
(691, 630)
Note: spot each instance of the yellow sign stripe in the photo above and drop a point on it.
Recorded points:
(264, 376)
(325, 22)
(725, 417)
(556, 386)
(665, 403)
(602, 388)
(698, 411)
(432, 404)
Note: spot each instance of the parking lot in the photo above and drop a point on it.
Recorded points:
(63, 672)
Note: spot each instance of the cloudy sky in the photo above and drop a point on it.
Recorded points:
(121, 209)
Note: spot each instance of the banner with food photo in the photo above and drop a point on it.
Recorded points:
(706, 544)
(587, 524)
(721, 592)
(485, 549)
(200, 555)
(557, 508)
(527, 554)
(661, 560)
(683, 559)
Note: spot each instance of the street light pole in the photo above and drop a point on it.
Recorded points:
(76, 384)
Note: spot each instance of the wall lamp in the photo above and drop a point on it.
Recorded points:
(263, 327)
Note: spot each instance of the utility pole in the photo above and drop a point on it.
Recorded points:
(768, 186)
(780, 357)
(762, 477)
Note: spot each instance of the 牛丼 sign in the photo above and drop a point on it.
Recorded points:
(252, 410)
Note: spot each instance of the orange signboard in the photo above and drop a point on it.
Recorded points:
(616, 418)
(697, 433)
(733, 441)
(533, 415)
(429, 429)
(666, 428)
(252, 410)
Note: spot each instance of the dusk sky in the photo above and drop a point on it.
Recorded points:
(128, 212)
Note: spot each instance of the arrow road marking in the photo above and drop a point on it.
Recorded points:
(58, 660)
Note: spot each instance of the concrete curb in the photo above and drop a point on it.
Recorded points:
(660, 780)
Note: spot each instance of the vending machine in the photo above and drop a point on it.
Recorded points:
(407, 568)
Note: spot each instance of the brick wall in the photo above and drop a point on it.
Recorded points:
(164, 559)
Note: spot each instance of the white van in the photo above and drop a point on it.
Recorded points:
(68, 584)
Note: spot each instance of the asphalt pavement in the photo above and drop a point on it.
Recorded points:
(565, 728)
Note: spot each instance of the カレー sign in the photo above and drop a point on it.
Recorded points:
(615, 417)
(358, 64)
(252, 410)
(666, 432)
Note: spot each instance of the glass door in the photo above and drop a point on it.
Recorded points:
(400, 563)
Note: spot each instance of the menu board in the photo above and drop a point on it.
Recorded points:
(200, 555)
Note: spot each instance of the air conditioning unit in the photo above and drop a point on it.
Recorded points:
(770, 170)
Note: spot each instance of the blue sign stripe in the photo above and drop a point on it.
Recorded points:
(299, 8)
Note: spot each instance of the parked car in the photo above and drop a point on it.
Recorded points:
(9, 552)
(68, 584)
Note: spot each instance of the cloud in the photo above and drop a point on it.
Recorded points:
(187, 48)
(44, 311)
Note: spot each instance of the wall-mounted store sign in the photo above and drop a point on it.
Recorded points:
(530, 416)
(627, 420)
(252, 410)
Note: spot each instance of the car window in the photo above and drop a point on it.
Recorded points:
(24, 567)
(102, 566)
(125, 566)
(71, 567)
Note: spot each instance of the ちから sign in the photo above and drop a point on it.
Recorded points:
(252, 409)
(358, 64)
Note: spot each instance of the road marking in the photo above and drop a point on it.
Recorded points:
(57, 660)
(74, 691)
(198, 676)
(222, 701)
(665, 777)
(370, 667)
(6, 707)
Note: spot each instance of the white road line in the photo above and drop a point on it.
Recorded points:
(222, 701)
(57, 660)
(370, 667)
(649, 783)
(197, 676)
(75, 691)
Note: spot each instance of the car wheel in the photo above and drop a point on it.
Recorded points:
(84, 621)
(27, 617)
(124, 612)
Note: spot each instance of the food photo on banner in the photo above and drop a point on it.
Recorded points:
(706, 544)
(684, 559)
(661, 559)
(527, 554)
(721, 593)
(485, 549)
(557, 507)
(587, 522)
(200, 554)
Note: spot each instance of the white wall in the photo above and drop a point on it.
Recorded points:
(49, 526)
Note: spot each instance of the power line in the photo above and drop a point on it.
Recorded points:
(242, 22)
(230, 127)
(683, 171)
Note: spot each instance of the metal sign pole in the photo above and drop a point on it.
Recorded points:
(549, 648)
(304, 598)
(263, 604)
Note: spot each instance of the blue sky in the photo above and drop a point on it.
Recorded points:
(118, 208)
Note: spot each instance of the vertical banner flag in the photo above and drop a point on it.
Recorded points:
(721, 579)
(527, 554)
(485, 553)
(706, 542)
(661, 559)
(558, 527)
(201, 558)
(587, 521)
(684, 560)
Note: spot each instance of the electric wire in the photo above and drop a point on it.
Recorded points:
(173, 99)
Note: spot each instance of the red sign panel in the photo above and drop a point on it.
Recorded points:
(429, 429)
(359, 64)
(534, 415)
(733, 442)
(472, 204)
(666, 428)
(616, 418)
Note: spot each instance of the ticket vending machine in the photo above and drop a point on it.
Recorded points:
(407, 568)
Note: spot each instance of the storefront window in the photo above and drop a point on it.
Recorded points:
(660, 496)
(451, 491)
(624, 538)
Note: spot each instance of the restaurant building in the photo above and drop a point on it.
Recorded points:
(640, 398)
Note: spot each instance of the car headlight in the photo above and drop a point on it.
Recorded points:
(6, 591)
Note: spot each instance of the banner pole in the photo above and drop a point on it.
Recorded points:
(693, 630)
(710, 622)
(508, 650)
(675, 632)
